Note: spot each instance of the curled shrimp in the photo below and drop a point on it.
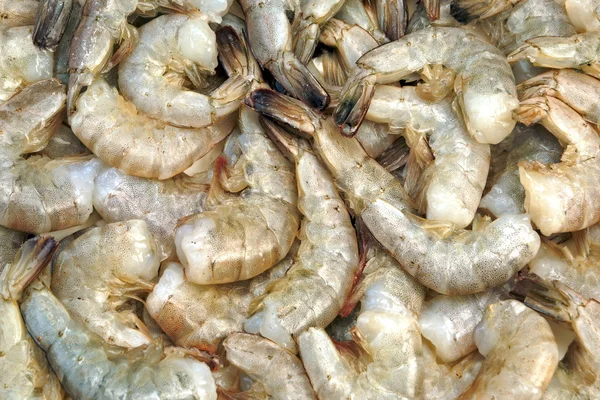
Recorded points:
(121, 197)
(24, 370)
(450, 185)
(520, 352)
(562, 197)
(239, 236)
(181, 44)
(147, 147)
(485, 86)
(40, 194)
(386, 329)
(313, 291)
(578, 51)
(506, 194)
(102, 269)
(280, 372)
(89, 368)
(449, 322)
(201, 316)
(270, 37)
(579, 91)
(22, 63)
(446, 260)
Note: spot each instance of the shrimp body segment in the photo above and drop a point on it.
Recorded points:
(446, 260)
(239, 236)
(484, 85)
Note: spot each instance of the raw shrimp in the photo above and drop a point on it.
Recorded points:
(24, 371)
(146, 147)
(201, 316)
(280, 372)
(179, 44)
(527, 20)
(484, 83)
(520, 352)
(120, 197)
(446, 260)
(270, 37)
(17, 13)
(450, 186)
(21, 62)
(240, 236)
(449, 322)
(10, 242)
(386, 329)
(101, 270)
(91, 369)
(50, 23)
(103, 24)
(353, 12)
(584, 14)
(577, 51)
(313, 291)
(562, 197)
(577, 90)
(466, 11)
(39, 194)
(581, 372)
(533, 143)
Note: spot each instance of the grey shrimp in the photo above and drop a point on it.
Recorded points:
(444, 259)
(485, 86)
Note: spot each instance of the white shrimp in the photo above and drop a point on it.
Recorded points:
(24, 370)
(91, 369)
(449, 322)
(120, 197)
(179, 44)
(280, 372)
(449, 261)
(520, 352)
(506, 194)
(239, 236)
(562, 197)
(313, 291)
(386, 329)
(484, 85)
(577, 51)
(450, 185)
(101, 270)
(146, 147)
(21, 62)
(201, 316)
(40, 194)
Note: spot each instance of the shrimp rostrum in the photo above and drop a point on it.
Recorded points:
(484, 84)
(88, 367)
(440, 257)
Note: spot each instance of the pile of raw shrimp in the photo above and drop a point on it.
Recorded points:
(275, 199)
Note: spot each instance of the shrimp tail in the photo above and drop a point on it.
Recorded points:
(396, 156)
(433, 9)
(548, 298)
(305, 40)
(465, 11)
(130, 40)
(354, 104)
(50, 23)
(234, 53)
(285, 142)
(286, 110)
(31, 259)
(393, 17)
(297, 80)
